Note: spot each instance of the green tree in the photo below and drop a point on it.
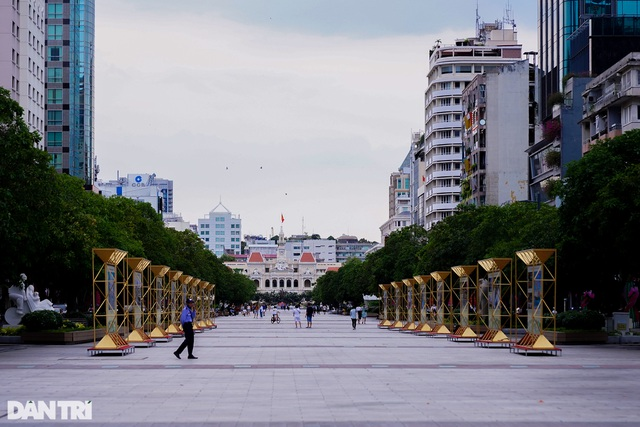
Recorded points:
(600, 218)
(27, 192)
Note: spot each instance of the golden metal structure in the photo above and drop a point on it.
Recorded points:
(171, 316)
(464, 293)
(108, 277)
(443, 308)
(494, 299)
(400, 308)
(425, 297)
(535, 300)
(156, 302)
(137, 289)
(385, 321)
(410, 304)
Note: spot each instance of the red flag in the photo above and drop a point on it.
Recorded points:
(281, 218)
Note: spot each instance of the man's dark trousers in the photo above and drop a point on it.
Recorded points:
(188, 339)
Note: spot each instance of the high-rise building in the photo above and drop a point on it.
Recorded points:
(582, 37)
(69, 100)
(22, 63)
(578, 39)
(439, 155)
(220, 231)
(399, 199)
(495, 135)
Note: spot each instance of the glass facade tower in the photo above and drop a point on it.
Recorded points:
(70, 41)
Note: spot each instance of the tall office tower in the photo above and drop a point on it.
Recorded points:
(70, 71)
(22, 30)
(582, 37)
(220, 231)
(439, 154)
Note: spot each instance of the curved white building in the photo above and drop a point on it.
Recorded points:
(438, 156)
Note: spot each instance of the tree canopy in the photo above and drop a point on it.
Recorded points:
(600, 217)
(49, 225)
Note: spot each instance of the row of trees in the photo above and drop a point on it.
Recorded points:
(595, 231)
(49, 224)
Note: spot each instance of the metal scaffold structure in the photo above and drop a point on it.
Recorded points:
(109, 288)
(400, 305)
(172, 307)
(443, 304)
(535, 300)
(156, 304)
(201, 305)
(192, 292)
(410, 304)
(137, 289)
(494, 299)
(426, 300)
(211, 299)
(464, 293)
(385, 321)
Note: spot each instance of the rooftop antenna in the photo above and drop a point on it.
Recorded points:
(477, 20)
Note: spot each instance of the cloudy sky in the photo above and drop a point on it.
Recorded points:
(294, 107)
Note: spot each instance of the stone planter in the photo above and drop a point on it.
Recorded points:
(72, 337)
(578, 337)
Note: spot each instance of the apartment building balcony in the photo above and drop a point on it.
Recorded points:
(453, 109)
(445, 125)
(455, 157)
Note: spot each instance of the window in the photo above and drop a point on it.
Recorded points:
(463, 68)
(54, 96)
(54, 11)
(54, 139)
(219, 225)
(54, 75)
(446, 69)
(54, 32)
(56, 161)
(54, 118)
(54, 53)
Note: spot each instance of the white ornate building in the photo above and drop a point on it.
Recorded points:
(282, 273)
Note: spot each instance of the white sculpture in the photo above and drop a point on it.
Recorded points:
(19, 295)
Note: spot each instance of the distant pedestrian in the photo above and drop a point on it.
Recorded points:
(359, 313)
(364, 315)
(296, 317)
(187, 317)
(354, 317)
(309, 315)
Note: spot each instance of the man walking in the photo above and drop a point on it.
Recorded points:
(354, 317)
(187, 317)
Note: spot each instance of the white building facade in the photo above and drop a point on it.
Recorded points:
(221, 231)
(399, 200)
(495, 136)
(438, 157)
(143, 187)
(282, 273)
(22, 58)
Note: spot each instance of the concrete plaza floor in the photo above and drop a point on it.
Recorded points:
(253, 373)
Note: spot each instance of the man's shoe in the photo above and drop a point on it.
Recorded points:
(176, 354)
(192, 357)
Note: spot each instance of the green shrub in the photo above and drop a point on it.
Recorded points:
(11, 331)
(580, 320)
(42, 320)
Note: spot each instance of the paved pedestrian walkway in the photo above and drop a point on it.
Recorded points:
(253, 373)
